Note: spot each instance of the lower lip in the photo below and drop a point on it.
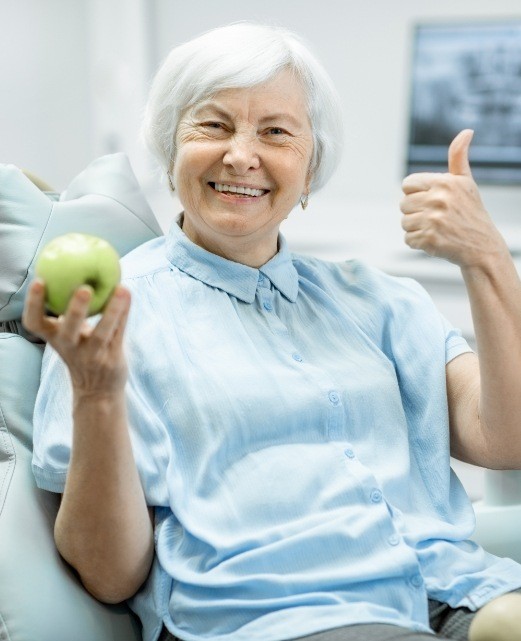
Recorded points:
(238, 199)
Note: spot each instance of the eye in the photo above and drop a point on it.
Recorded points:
(213, 129)
(276, 135)
(213, 125)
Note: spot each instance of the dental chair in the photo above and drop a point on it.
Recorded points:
(498, 514)
(41, 598)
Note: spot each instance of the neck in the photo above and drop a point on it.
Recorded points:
(244, 250)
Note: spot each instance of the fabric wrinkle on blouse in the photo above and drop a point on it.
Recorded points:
(290, 427)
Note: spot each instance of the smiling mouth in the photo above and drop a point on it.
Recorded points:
(231, 190)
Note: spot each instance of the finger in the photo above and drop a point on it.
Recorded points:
(114, 315)
(417, 182)
(412, 222)
(72, 322)
(415, 239)
(120, 329)
(413, 203)
(459, 153)
(34, 318)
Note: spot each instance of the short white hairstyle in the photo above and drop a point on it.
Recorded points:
(239, 55)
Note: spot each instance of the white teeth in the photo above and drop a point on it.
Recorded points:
(248, 191)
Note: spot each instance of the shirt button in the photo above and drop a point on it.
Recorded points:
(297, 357)
(334, 398)
(417, 580)
(268, 306)
(376, 496)
(349, 453)
(394, 539)
(262, 280)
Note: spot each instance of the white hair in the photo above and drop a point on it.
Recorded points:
(242, 54)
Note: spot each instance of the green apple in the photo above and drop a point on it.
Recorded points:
(72, 260)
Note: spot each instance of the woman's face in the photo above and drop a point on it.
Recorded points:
(242, 164)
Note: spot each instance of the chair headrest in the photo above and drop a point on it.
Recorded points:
(104, 200)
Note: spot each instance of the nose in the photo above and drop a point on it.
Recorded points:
(241, 154)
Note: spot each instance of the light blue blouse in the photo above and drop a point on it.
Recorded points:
(290, 426)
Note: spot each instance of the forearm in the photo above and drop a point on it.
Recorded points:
(103, 527)
(494, 291)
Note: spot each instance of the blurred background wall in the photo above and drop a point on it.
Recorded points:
(75, 73)
(74, 77)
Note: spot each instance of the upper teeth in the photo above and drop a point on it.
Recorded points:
(239, 190)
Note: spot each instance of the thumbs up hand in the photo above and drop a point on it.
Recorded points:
(444, 214)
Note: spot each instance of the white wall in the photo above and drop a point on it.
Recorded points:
(74, 75)
(44, 98)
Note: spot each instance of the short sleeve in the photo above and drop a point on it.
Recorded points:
(53, 431)
(418, 333)
(455, 344)
(52, 436)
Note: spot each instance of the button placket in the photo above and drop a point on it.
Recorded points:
(376, 496)
(265, 297)
(390, 535)
(336, 418)
(334, 398)
(416, 580)
(267, 306)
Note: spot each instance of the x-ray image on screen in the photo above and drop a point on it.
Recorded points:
(467, 76)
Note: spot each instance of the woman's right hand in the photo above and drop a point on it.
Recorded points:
(93, 354)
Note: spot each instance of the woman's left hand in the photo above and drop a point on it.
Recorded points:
(445, 216)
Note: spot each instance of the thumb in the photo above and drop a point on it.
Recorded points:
(459, 153)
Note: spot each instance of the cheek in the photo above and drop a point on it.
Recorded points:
(187, 174)
(291, 176)
(193, 160)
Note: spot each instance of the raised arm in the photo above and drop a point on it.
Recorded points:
(444, 215)
(103, 527)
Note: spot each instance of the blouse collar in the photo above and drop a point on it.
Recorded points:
(234, 278)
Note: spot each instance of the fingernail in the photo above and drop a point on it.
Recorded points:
(38, 285)
(84, 292)
(119, 292)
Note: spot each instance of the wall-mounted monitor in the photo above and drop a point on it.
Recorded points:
(467, 75)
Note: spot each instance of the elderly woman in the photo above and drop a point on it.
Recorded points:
(258, 447)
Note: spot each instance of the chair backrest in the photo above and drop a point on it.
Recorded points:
(41, 599)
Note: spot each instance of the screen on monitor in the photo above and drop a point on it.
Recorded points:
(467, 76)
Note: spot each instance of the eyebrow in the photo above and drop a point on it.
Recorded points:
(223, 113)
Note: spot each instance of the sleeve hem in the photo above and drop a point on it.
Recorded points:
(455, 346)
(51, 481)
